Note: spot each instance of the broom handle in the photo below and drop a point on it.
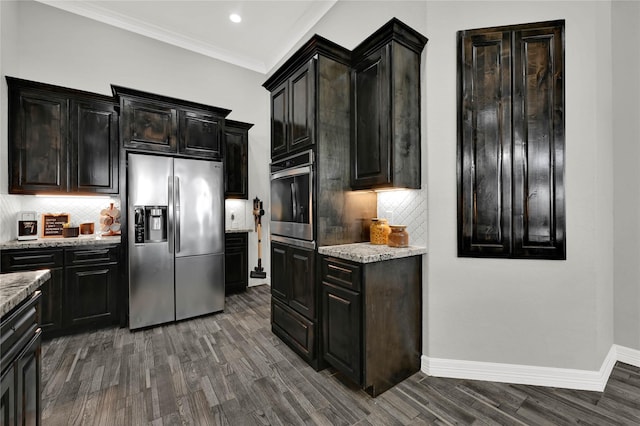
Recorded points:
(259, 241)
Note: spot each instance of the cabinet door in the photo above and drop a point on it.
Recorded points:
(484, 151)
(7, 398)
(28, 383)
(303, 290)
(538, 143)
(51, 302)
(91, 294)
(200, 134)
(94, 147)
(341, 330)
(236, 162)
(235, 263)
(280, 274)
(37, 142)
(302, 109)
(149, 126)
(280, 120)
(371, 116)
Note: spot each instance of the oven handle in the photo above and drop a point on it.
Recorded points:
(291, 172)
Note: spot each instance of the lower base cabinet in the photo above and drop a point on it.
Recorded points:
(83, 289)
(293, 299)
(21, 350)
(371, 320)
(236, 262)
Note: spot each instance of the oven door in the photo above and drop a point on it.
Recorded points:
(292, 203)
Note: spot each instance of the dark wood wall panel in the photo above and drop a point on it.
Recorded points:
(486, 151)
(538, 173)
(511, 142)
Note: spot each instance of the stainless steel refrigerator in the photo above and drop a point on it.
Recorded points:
(175, 238)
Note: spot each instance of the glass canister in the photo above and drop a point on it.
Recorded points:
(379, 231)
(399, 237)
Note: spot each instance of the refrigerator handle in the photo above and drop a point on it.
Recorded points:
(170, 213)
(177, 225)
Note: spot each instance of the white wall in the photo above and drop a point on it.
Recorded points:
(61, 48)
(626, 125)
(531, 312)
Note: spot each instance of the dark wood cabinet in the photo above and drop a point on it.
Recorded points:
(341, 331)
(371, 319)
(294, 296)
(385, 125)
(236, 262)
(61, 140)
(20, 385)
(28, 386)
(51, 291)
(293, 278)
(236, 159)
(83, 288)
(293, 112)
(8, 396)
(156, 123)
(93, 147)
(200, 134)
(91, 286)
(511, 142)
(149, 125)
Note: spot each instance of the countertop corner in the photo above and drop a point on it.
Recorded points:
(17, 286)
(369, 253)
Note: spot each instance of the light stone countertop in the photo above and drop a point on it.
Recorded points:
(60, 242)
(369, 253)
(18, 286)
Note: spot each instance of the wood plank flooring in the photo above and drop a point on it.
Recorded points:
(229, 369)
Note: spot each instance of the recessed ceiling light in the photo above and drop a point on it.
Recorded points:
(234, 17)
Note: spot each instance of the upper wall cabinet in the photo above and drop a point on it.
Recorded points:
(385, 126)
(511, 142)
(236, 167)
(292, 111)
(61, 140)
(155, 123)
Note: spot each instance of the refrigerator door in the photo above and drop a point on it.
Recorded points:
(199, 285)
(199, 207)
(151, 265)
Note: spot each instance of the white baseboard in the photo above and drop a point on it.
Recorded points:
(628, 355)
(531, 375)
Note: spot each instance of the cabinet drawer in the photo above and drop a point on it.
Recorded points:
(297, 331)
(91, 255)
(21, 324)
(31, 260)
(235, 240)
(341, 273)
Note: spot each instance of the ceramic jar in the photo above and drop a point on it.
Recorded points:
(399, 237)
(379, 231)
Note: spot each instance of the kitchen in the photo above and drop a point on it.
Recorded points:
(547, 315)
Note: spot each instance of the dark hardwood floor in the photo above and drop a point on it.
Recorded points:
(229, 369)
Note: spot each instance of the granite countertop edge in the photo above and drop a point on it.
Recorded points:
(16, 287)
(60, 242)
(370, 253)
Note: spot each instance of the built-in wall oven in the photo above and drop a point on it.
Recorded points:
(292, 200)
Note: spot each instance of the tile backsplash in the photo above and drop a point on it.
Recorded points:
(81, 210)
(406, 207)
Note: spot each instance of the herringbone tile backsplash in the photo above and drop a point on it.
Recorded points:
(406, 207)
(81, 209)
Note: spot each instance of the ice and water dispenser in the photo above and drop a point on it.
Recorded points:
(150, 224)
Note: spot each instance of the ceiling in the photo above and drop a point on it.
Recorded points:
(268, 31)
